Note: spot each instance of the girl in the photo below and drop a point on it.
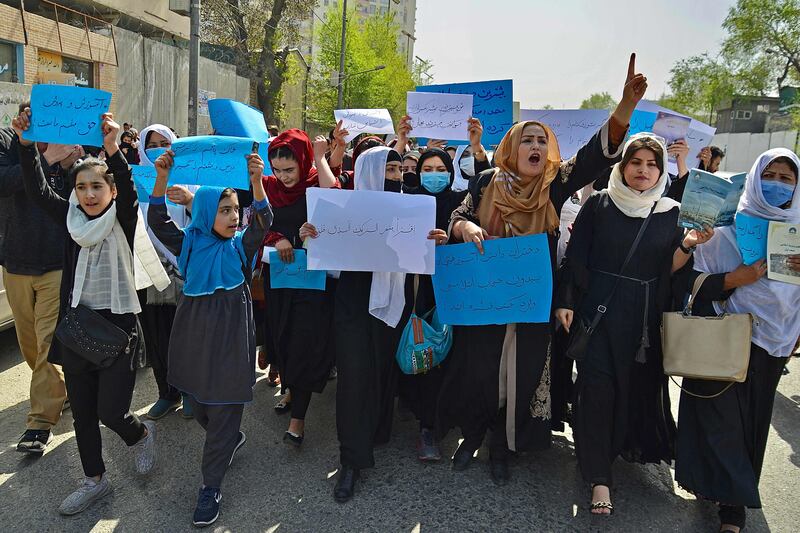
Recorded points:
(523, 196)
(102, 219)
(212, 347)
(622, 401)
(158, 307)
(368, 308)
(299, 320)
(722, 440)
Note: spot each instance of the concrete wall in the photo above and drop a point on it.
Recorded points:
(153, 83)
(742, 149)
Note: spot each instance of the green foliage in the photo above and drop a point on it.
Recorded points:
(599, 101)
(760, 54)
(371, 41)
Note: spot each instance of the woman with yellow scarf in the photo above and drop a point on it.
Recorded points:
(499, 375)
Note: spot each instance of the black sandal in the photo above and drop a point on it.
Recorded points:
(283, 406)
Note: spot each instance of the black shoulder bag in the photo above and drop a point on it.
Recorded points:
(581, 332)
(96, 339)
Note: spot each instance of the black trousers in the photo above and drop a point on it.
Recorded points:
(222, 423)
(156, 323)
(102, 395)
(301, 399)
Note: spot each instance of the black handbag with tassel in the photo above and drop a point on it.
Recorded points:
(581, 331)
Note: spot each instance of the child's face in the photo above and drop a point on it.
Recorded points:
(227, 221)
(286, 170)
(93, 192)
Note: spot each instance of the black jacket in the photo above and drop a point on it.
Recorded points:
(31, 243)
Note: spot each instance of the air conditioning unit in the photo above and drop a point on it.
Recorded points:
(180, 7)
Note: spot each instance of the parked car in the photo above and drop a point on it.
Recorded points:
(6, 318)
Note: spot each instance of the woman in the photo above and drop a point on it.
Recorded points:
(127, 142)
(158, 307)
(420, 392)
(102, 219)
(722, 440)
(299, 320)
(523, 196)
(370, 312)
(622, 402)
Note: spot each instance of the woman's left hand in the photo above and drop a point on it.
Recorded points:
(695, 237)
(635, 84)
(308, 230)
(439, 236)
(793, 262)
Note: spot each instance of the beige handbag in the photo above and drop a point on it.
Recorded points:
(714, 348)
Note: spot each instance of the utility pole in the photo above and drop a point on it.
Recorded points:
(194, 62)
(340, 77)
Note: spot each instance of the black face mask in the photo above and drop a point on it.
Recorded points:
(392, 186)
(411, 180)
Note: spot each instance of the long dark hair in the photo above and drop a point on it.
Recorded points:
(92, 163)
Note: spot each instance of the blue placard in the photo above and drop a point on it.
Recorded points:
(67, 115)
(511, 282)
(492, 104)
(235, 119)
(642, 121)
(751, 236)
(211, 160)
(294, 275)
(144, 178)
(263, 151)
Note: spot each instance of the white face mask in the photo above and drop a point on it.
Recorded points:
(467, 165)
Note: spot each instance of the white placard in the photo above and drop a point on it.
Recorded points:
(699, 136)
(370, 231)
(573, 127)
(358, 121)
(439, 115)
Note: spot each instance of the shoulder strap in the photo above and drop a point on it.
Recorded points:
(603, 307)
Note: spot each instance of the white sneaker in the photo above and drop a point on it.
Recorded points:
(146, 449)
(88, 493)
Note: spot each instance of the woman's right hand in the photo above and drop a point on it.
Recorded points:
(164, 164)
(745, 274)
(21, 123)
(471, 232)
(564, 317)
(308, 230)
(285, 250)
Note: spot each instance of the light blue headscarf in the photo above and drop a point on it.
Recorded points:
(208, 262)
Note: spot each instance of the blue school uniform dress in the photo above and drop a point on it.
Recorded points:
(212, 348)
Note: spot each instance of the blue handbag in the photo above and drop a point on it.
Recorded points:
(425, 341)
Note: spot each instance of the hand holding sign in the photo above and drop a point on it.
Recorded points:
(357, 121)
(67, 115)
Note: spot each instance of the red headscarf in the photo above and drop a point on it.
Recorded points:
(297, 141)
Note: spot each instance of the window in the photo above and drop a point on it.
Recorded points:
(83, 70)
(764, 108)
(744, 115)
(8, 62)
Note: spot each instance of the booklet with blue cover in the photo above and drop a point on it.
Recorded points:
(710, 199)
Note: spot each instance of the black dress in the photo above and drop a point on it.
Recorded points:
(621, 405)
(721, 441)
(470, 395)
(367, 380)
(299, 320)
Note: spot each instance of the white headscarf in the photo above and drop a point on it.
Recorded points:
(775, 303)
(637, 204)
(387, 297)
(176, 212)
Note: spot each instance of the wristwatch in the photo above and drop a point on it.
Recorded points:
(687, 251)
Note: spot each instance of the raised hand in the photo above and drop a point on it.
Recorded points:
(635, 84)
(110, 131)
(21, 123)
(475, 129)
(255, 167)
(320, 147)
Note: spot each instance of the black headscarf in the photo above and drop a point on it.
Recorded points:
(448, 199)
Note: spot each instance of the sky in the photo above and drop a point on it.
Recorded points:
(558, 52)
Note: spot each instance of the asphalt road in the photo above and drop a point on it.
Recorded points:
(273, 488)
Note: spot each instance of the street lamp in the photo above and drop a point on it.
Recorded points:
(305, 85)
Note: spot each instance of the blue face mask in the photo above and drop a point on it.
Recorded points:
(776, 193)
(435, 182)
